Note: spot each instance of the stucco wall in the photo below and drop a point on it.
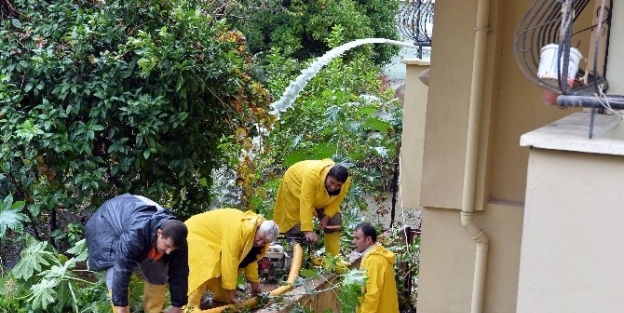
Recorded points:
(572, 247)
(615, 61)
(447, 260)
(413, 136)
(512, 106)
(449, 92)
(517, 107)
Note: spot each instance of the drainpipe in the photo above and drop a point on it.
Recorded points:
(472, 152)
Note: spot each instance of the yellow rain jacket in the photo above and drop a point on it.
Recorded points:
(381, 292)
(302, 191)
(218, 241)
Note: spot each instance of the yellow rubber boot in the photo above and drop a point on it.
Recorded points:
(110, 295)
(332, 243)
(153, 297)
(194, 299)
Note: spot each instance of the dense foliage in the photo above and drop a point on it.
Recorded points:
(346, 112)
(46, 280)
(300, 27)
(100, 98)
(155, 97)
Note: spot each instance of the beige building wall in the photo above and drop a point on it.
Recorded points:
(572, 249)
(572, 244)
(571, 256)
(511, 106)
(413, 136)
(615, 62)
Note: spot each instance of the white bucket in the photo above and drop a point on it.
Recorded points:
(548, 63)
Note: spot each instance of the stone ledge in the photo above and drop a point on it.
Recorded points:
(571, 133)
(416, 61)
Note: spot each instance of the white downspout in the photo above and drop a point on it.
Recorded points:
(472, 152)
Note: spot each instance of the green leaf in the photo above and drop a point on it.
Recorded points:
(34, 257)
(79, 250)
(16, 23)
(58, 272)
(308, 273)
(43, 294)
(333, 113)
(28, 130)
(355, 277)
(11, 216)
(374, 123)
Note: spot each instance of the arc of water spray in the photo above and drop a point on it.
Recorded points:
(292, 91)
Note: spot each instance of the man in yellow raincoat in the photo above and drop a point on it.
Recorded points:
(381, 291)
(312, 188)
(221, 243)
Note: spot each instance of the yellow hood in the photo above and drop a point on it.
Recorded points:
(381, 292)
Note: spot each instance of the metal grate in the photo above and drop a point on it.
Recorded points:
(549, 22)
(415, 21)
(554, 22)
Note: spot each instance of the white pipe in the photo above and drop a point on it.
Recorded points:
(472, 153)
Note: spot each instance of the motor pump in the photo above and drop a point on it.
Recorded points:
(275, 258)
(276, 262)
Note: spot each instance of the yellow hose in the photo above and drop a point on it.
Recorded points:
(292, 277)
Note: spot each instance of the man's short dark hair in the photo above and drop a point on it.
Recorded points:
(176, 230)
(368, 230)
(339, 172)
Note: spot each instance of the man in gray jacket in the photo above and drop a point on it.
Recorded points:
(130, 231)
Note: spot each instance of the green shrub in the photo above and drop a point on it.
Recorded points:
(101, 98)
(345, 113)
(47, 281)
(299, 28)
